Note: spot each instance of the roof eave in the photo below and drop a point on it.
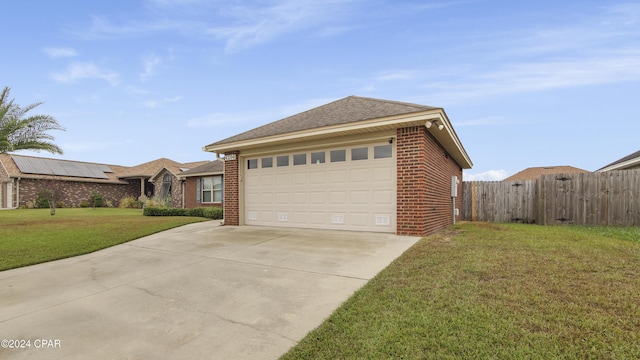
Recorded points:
(447, 138)
(621, 165)
(206, 173)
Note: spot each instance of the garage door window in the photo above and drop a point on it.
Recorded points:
(317, 158)
(267, 162)
(283, 160)
(338, 155)
(360, 153)
(299, 159)
(382, 151)
(252, 164)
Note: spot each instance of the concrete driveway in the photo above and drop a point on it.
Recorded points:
(200, 291)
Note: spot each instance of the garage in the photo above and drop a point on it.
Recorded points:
(347, 188)
(357, 164)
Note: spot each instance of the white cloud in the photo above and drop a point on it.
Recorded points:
(102, 28)
(393, 75)
(149, 64)
(156, 103)
(55, 53)
(489, 175)
(79, 71)
(253, 24)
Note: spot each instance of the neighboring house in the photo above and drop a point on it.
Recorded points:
(628, 162)
(203, 185)
(162, 177)
(23, 178)
(533, 173)
(353, 164)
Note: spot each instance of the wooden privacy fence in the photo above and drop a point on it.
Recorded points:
(605, 198)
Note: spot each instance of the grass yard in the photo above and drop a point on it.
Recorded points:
(495, 291)
(33, 236)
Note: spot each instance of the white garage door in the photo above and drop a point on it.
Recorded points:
(348, 188)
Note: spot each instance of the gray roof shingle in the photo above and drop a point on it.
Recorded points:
(210, 167)
(343, 111)
(626, 158)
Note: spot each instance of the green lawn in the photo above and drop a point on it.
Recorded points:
(495, 291)
(33, 236)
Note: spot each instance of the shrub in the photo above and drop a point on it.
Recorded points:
(210, 213)
(43, 199)
(96, 200)
(130, 203)
(157, 202)
(84, 204)
(60, 205)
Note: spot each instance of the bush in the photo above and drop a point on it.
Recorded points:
(130, 203)
(156, 202)
(60, 205)
(214, 213)
(84, 204)
(96, 200)
(42, 201)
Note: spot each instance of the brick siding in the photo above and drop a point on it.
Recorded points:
(424, 174)
(176, 188)
(231, 191)
(75, 192)
(190, 195)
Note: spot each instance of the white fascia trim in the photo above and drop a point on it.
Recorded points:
(324, 131)
(622, 165)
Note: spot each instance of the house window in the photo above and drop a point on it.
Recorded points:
(299, 159)
(382, 151)
(359, 153)
(338, 155)
(267, 162)
(165, 191)
(212, 189)
(317, 158)
(252, 164)
(283, 160)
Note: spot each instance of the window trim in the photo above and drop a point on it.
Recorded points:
(212, 190)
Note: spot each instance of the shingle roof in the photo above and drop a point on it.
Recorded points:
(13, 170)
(343, 111)
(534, 172)
(147, 169)
(626, 158)
(216, 166)
(151, 168)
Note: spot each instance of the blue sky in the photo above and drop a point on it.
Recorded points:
(524, 83)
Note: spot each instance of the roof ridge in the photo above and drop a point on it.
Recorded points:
(394, 102)
(349, 109)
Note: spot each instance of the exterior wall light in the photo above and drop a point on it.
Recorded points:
(434, 122)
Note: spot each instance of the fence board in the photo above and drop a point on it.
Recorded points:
(607, 198)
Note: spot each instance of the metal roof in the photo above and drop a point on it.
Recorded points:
(31, 165)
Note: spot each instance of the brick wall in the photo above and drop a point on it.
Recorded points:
(190, 195)
(176, 188)
(424, 174)
(75, 192)
(231, 191)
